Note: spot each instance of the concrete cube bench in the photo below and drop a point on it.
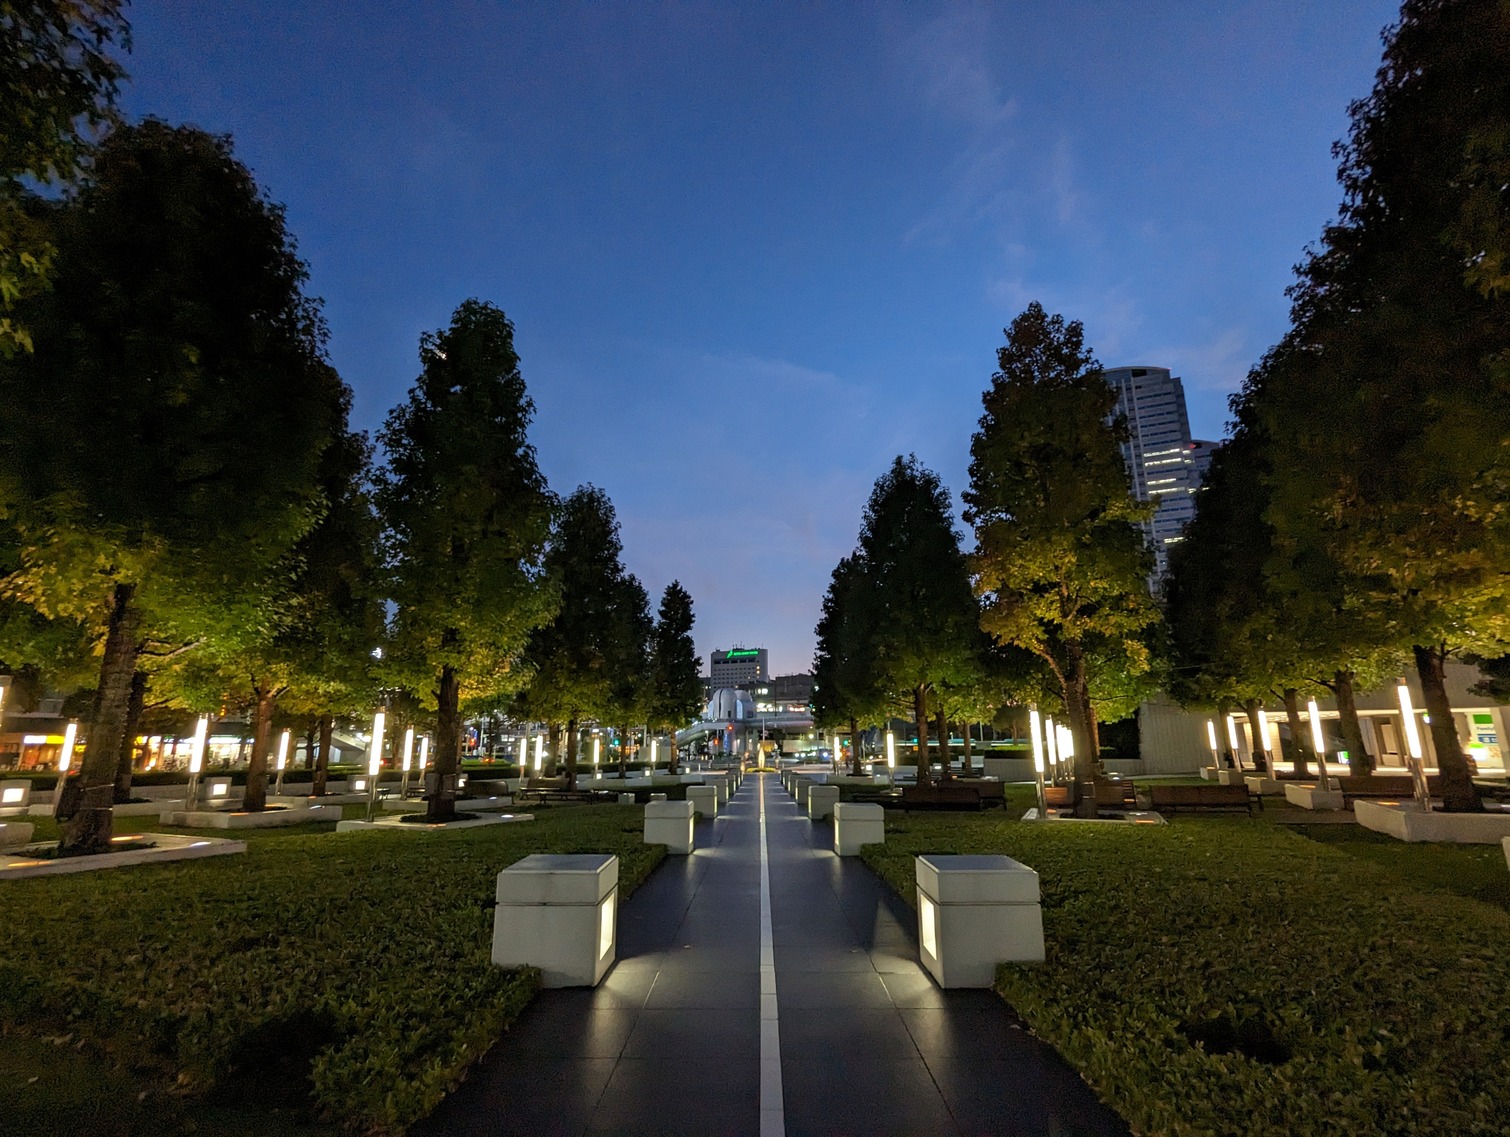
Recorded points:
(704, 800)
(821, 801)
(558, 912)
(975, 912)
(856, 824)
(670, 823)
(13, 834)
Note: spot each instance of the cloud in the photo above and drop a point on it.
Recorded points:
(1219, 364)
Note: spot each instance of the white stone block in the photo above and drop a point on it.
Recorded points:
(1407, 822)
(15, 797)
(720, 784)
(670, 823)
(1208, 773)
(626, 799)
(657, 797)
(973, 913)
(856, 824)
(704, 800)
(558, 912)
(821, 801)
(1309, 797)
(15, 833)
(1259, 784)
(1232, 777)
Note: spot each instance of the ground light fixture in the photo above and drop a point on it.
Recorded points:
(405, 761)
(1035, 725)
(1413, 745)
(1237, 756)
(196, 759)
(1318, 744)
(374, 762)
(65, 760)
(281, 762)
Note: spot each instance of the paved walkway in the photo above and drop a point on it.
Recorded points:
(684, 1036)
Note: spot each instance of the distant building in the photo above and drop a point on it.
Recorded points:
(1200, 453)
(739, 667)
(785, 693)
(1159, 452)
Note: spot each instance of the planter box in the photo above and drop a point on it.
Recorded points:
(558, 913)
(975, 912)
(856, 824)
(165, 847)
(1405, 821)
(1309, 797)
(397, 824)
(235, 819)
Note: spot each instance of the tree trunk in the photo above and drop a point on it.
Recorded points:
(255, 798)
(553, 750)
(309, 745)
(1360, 761)
(322, 763)
(943, 728)
(1093, 729)
(920, 714)
(127, 758)
(89, 830)
(1459, 794)
(624, 753)
(1077, 706)
(441, 805)
(1225, 758)
(854, 748)
(1299, 748)
(968, 764)
(1260, 747)
(673, 768)
(571, 754)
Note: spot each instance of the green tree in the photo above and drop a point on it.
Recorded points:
(676, 688)
(162, 441)
(1402, 321)
(467, 516)
(58, 82)
(1060, 559)
(922, 618)
(629, 686)
(846, 684)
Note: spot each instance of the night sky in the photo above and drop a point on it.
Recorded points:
(752, 253)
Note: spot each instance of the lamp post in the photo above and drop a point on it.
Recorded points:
(539, 754)
(196, 759)
(1034, 725)
(282, 761)
(1051, 743)
(65, 760)
(597, 755)
(1413, 745)
(1237, 757)
(404, 760)
(1263, 759)
(1318, 744)
(891, 755)
(375, 762)
(1216, 751)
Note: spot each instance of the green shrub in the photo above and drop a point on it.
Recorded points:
(367, 954)
(1226, 977)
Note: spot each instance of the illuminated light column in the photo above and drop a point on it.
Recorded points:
(1318, 744)
(1263, 745)
(1413, 744)
(1034, 726)
(1216, 750)
(196, 759)
(282, 761)
(404, 762)
(65, 760)
(375, 761)
(1237, 756)
(654, 747)
(891, 751)
(539, 754)
(597, 754)
(424, 753)
(1051, 742)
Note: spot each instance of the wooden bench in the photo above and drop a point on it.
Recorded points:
(1109, 795)
(946, 796)
(1214, 799)
(1382, 786)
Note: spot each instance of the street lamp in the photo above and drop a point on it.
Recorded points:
(891, 753)
(408, 754)
(282, 761)
(1318, 744)
(539, 754)
(375, 761)
(65, 760)
(1216, 751)
(1413, 744)
(1237, 757)
(1263, 746)
(196, 759)
(1034, 729)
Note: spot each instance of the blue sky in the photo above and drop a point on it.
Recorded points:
(753, 252)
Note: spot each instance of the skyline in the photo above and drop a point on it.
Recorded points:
(751, 257)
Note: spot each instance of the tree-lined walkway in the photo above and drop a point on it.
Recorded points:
(671, 1040)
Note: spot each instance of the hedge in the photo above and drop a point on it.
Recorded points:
(350, 971)
(1226, 977)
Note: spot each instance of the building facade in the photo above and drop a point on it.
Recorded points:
(739, 667)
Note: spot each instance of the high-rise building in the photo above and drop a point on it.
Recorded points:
(739, 667)
(1159, 452)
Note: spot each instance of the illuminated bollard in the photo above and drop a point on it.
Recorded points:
(15, 797)
(626, 799)
(973, 913)
(704, 800)
(558, 912)
(670, 823)
(720, 784)
(657, 797)
(855, 824)
(217, 791)
(821, 801)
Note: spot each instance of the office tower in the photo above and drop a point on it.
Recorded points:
(739, 667)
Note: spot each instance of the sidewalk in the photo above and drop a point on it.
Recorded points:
(671, 1041)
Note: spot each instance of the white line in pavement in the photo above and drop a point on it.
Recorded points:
(772, 1107)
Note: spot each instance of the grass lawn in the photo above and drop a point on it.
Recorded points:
(1232, 976)
(351, 971)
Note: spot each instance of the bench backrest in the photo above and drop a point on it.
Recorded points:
(939, 795)
(1198, 795)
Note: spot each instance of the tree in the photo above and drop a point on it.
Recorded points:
(574, 658)
(1060, 560)
(466, 515)
(162, 441)
(916, 603)
(1401, 321)
(629, 686)
(58, 82)
(676, 688)
(846, 685)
